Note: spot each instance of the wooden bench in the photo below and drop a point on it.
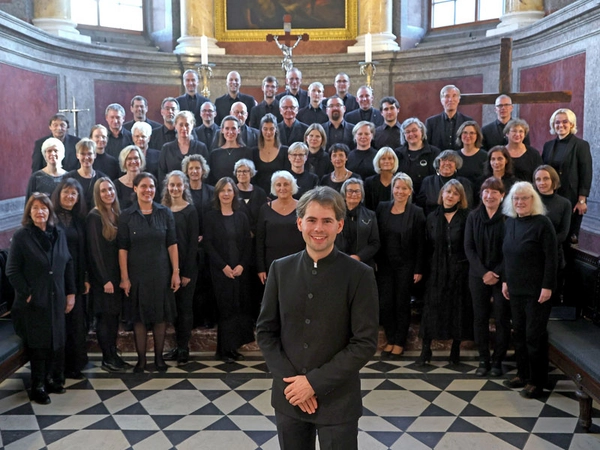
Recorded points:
(12, 350)
(575, 349)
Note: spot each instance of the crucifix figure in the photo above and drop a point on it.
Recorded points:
(505, 83)
(75, 112)
(287, 47)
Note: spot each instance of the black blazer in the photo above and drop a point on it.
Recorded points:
(319, 320)
(216, 241)
(349, 100)
(297, 134)
(224, 102)
(575, 171)
(367, 236)
(348, 138)
(260, 110)
(249, 136)
(193, 105)
(128, 125)
(171, 157)
(435, 130)
(354, 117)
(48, 279)
(493, 134)
(69, 163)
(201, 135)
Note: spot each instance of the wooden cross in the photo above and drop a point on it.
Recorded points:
(505, 83)
(287, 47)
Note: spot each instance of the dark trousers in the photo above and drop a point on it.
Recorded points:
(76, 327)
(483, 309)
(530, 320)
(394, 302)
(295, 434)
(46, 365)
(107, 330)
(184, 299)
(204, 303)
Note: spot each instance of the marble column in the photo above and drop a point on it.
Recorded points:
(54, 17)
(197, 20)
(375, 17)
(518, 14)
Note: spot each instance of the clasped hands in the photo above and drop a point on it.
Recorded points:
(300, 393)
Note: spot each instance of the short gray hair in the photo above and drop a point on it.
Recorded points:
(244, 162)
(449, 155)
(286, 175)
(115, 107)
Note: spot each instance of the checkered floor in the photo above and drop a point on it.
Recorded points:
(211, 405)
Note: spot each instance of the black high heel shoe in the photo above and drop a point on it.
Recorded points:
(424, 357)
(455, 353)
(160, 367)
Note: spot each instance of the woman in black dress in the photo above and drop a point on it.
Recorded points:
(70, 210)
(177, 197)
(483, 245)
(447, 310)
(147, 234)
(415, 155)
(470, 138)
(252, 196)
(297, 155)
(277, 233)
(132, 161)
(499, 165)
(400, 261)
(524, 157)
(530, 264)
(571, 158)
(46, 179)
(318, 161)
(360, 160)
(141, 132)
(270, 156)
(172, 153)
(446, 164)
(230, 149)
(40, 269)
(104, 162)
(339, 157)
(103, 262)
(228, 244)
(360, 236)
(86, 175)
(377, 187)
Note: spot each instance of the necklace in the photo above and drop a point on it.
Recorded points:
(343, 177)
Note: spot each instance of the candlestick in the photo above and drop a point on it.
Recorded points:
(368, 69)
(205, 71)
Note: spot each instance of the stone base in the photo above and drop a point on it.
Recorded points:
(513, 21)
(381, 42)
(190, 45)
(61, 28)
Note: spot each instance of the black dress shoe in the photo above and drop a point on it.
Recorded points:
(162, 367)
(74, 374)
(483, 369)
(52, 387)
(530, 391)
(515, 383)
(385, 354)
(171, 355)
(424, 357)
(496, 370)
(183, 357)
(112, 366)
(139, 368)
(238, 356)
(40, 396)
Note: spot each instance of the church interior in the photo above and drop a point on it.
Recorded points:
(48, 63)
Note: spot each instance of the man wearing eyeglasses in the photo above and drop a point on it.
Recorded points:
(493, 132)
(337, 130)
(209, 130)
(290, 129)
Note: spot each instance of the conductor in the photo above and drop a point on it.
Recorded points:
(317, 328)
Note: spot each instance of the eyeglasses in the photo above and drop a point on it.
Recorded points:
(242, 172)
(522, 199)
(287, 108)
(504, 105)
(353, 191)
(207, 111)
(297, 155)
(334, 106)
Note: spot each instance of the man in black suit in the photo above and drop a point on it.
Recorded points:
(224, 103)
(342, 90)
(293, 81)
(290, 129)
(441, 129)
(139, 109)
(365, 110)
(493, 132)
(191, 100)
(58, 124)
(208, 132)
(317, 328)
(249, 135)
(388, 134)
(270, 105)
(337, 130)
(169, 108)
(314, 112)
(118, 137)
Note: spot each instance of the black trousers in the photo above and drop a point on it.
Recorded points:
(184, 300)
(530, 321)
(107, 330)
(295, 434)
(394, 285)
(483, 309)
(76, 356)
(46, 365)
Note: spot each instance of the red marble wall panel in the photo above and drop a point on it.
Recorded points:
(566, 74)
(107, 92)
(422, 98)
(37, 93)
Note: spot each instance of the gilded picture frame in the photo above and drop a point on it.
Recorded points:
(252, 20)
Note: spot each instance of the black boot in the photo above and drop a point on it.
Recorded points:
(425, 355)
(118, 361)
(455, 352)
(38, 375)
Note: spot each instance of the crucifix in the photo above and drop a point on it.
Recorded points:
(75, 111)
(287, 63)
(505, 83)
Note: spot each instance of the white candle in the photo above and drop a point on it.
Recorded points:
(204, 50)
(368, 48)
